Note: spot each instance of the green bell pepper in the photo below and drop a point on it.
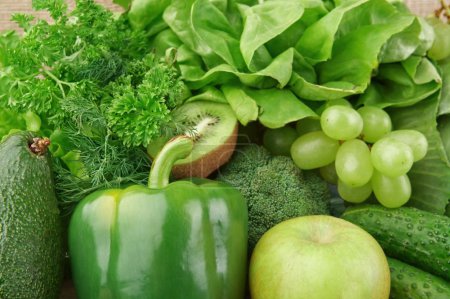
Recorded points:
(180, 240)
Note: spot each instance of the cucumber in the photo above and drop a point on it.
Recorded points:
(413, 236)
(408, 282)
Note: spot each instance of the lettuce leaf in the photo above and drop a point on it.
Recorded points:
(402, 84)
(273, 107)
(444, 107)
(261, 25)
(316, 43)
(211, 25)
(444, 129)
(274, 60)
(277, 73)
(145, 13)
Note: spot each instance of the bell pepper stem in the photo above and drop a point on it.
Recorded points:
(175, 149)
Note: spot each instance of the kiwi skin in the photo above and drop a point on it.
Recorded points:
(207, 164)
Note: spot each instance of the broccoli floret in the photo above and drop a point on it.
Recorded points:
(275, 189)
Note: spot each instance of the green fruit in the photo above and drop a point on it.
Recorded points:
(336, 102)
(279, 141)
(413, 236)
(30, 228)
(318, 257)
(314, 150)
(307, 125)
(214, 129)
(408, 282)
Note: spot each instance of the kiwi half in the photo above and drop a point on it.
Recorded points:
(213, 127)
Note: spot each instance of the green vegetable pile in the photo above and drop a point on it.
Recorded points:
(100, 102)
(278, 61)
(275, 62)
(92, 102)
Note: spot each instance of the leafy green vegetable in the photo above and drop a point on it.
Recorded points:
(279, 107)
(10, 121)
(402, 84)
(8, 39)
(274, 61)
(359, 42)
(91, 77)
(210, 24)
(178, 17)
(260, 26)
(326, 55)
(123, 3)
(163, 41)
(142, 100)
(265, 104)
(444, 129)
(208, 93)
(416, 39)
(316, 43)
(52, 60)
(244, 106)
(147, 13)
(444, 107)
(276, 74)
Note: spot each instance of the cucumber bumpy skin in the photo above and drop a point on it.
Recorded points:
(30, 229)
(413, 236)
(408, 282)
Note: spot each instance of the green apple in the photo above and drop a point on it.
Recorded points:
(318, 257)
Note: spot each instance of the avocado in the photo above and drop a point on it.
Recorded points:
(31, 252)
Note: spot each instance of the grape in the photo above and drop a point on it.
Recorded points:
(391, 157)
(376, 123)
(391, 192)
(328, 173)
(341, 122)
(307, 125)
(416, 141)
(336, 102)
(354, 194)
(278, 141)
(353, 163)
(314, 150)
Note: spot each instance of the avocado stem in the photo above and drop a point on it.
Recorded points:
(39, 146)
(175, 149)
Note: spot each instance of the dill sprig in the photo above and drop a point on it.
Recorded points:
(106, 164)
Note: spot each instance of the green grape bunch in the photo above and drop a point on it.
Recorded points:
(358, 150)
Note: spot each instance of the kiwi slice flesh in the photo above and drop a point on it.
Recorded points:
(213, 127)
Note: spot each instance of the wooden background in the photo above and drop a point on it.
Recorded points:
(7, 7)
